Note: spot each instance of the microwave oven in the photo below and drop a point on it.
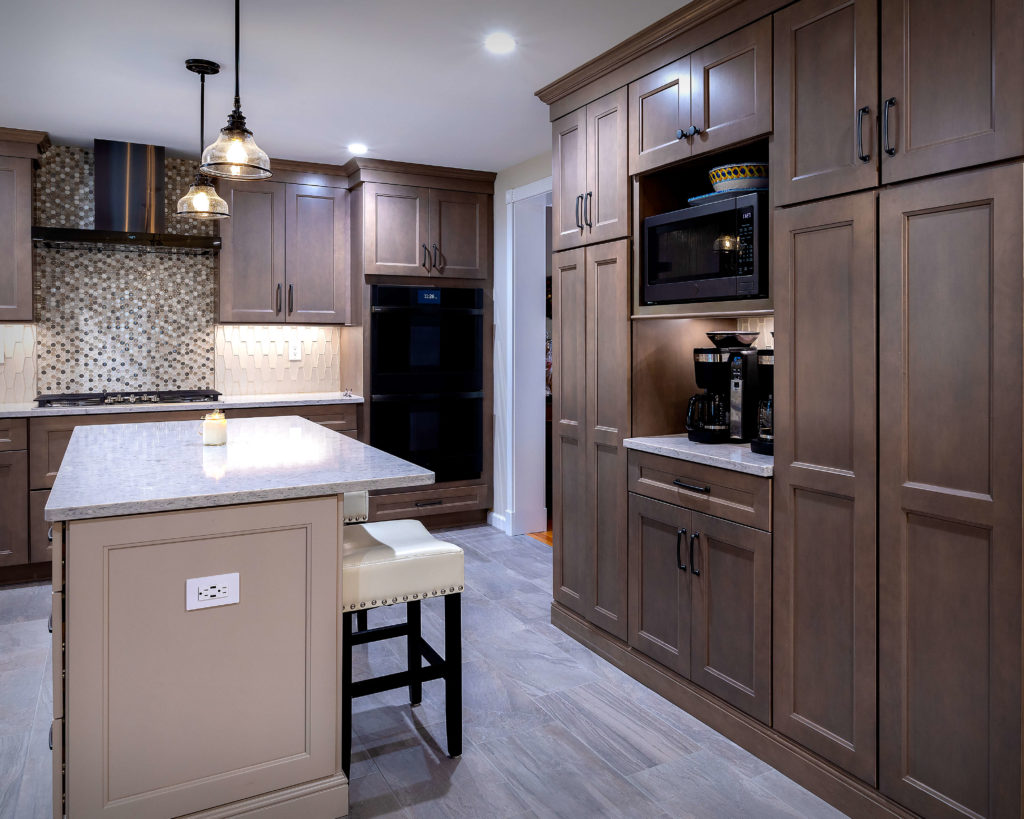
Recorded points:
(707, 252)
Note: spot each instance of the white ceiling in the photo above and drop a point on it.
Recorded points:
(407, 77)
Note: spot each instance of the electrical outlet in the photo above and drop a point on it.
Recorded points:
(295, 351)
(215, 590)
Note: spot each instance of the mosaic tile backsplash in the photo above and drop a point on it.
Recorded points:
(124, 319)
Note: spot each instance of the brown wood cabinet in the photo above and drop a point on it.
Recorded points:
(591, 190)
(285, 254)
(419, 231)
(40, 530)
(950, 255)
(591, 377)
(15, 238)
(13, 508)
(712, 98)
(825, 479)
(953, 70)
(950, 91)
(700, 598)
(826, 99)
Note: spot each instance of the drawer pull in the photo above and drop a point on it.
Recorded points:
(51, 736)
(49, 622)
(429, 503)
(704, 490)
(49, 534)
(4, 552)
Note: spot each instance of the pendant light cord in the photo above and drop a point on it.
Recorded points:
(238, 99)
(202, 112)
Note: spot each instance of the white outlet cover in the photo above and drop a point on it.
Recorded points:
(214, 590)
(295, 351)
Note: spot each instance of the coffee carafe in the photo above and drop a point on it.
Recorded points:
(764, 442)
(726, 412)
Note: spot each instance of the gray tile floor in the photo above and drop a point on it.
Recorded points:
(550, 728)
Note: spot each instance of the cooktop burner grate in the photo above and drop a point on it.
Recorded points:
(91, 399)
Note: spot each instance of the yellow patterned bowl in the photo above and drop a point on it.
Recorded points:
(738, 177)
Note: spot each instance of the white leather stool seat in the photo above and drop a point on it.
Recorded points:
(396, 561)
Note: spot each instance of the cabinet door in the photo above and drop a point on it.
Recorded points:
(13, 508)
(731, 622)
(460, 234)
(317, 261)
(659, 582)
(659, 107)
(569, 181)
(606, 201)
(40, 530)
(608, 420)
(826, 73)
(950, 259)
(15, 239)
(731, 88)
(573, 546)
(395, 230)
(954, 69)
(825, 479)
(253, 253)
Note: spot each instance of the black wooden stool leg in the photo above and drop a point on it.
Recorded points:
(361, 620)
(346, 692)
(453, 672)
(414, 651)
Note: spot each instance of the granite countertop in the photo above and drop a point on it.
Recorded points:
(298, 399)
(736, 457)
(130, 469)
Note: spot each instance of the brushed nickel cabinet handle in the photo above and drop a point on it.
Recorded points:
(6, 551)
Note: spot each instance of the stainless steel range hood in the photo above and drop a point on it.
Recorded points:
(129, 204)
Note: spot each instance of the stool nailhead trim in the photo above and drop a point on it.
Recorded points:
(414, 596)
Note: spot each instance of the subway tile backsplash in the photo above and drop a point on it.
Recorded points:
(17, 363)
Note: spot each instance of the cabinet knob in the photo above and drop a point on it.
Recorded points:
(689, 133)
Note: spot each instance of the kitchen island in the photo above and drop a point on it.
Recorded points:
(196, 626)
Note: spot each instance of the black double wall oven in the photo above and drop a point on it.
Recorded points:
(426, 364)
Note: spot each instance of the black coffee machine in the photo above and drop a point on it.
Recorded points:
(726, 412)
(764, 441)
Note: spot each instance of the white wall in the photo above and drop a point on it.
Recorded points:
(523, 174)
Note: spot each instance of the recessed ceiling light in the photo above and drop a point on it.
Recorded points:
(500, 43)
(357, 148)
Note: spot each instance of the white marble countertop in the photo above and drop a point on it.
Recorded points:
(736, 457)
(297, 399)
(130, 469)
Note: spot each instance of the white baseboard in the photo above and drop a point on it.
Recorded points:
(497, 521)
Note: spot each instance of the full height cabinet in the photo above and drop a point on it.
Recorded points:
(15, 238)
(590, 192)
(950, 91)
(417, 231)
(950, 386)
(285, 254)
(591, 404)
(825, 479)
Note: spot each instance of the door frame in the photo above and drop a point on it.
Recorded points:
(519, 385)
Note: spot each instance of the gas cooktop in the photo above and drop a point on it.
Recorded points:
(92, 399)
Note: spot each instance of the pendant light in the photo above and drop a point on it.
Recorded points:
(202, 200)
(235, 154)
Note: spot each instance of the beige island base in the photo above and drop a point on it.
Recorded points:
(221, 711)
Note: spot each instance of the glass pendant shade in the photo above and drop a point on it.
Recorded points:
(202, 201)
(235, 155)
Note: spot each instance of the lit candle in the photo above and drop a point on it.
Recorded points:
(215, 429)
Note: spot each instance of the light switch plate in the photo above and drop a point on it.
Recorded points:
(214, 590)
(295, 351)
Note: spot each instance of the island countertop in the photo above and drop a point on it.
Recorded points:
(130, 469)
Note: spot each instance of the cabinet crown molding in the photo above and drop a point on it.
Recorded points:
(18, 142)
(362, 169)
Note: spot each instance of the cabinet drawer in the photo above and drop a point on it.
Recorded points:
(13, 434)
(40, 537)
(427, 502)
(734, 496)
(334, 417)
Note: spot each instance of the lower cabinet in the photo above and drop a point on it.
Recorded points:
(13, 508)
(700, 600)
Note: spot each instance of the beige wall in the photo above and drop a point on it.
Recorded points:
(532, 170)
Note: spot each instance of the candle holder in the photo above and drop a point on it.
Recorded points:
(214, 429)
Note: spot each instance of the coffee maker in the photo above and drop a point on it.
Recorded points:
(726, 412)
(764, 441)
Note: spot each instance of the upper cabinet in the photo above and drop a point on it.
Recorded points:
(590, 189)
(420, 231)
(950, 91)
(285, 255)
(15, 238)
(706, 101)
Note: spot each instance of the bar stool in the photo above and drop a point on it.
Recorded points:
(399, 561)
